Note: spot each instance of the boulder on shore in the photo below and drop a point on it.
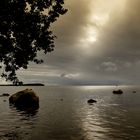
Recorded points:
(25, 99)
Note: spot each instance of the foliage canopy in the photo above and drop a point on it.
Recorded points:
(25, 30)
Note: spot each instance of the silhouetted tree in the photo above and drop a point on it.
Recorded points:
(25, 30)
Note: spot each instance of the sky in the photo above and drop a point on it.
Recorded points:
(97, 44)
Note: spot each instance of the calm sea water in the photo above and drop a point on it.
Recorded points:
(65, 115)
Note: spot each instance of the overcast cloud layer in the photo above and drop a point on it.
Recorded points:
(98, 43)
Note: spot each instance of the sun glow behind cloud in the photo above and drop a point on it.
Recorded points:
(90, 36)
(100, 14)
(101, 11)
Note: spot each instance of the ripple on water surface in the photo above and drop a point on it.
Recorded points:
(112, 117)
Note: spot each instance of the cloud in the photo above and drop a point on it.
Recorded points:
(70, 75)
(109, 66)
(121, 36)
(98, 43)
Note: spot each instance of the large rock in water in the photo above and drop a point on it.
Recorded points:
(25, 99)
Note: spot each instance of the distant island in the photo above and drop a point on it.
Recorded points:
(29, 84)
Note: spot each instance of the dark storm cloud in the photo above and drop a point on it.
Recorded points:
(120, 43)
(69, 27)
(68, 30)
(121, 36)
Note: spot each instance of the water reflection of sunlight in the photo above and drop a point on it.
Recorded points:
(97, 87)
(107, 119)
(92, 123)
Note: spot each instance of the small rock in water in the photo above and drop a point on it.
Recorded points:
(5, 95)
(90, 101)
(117, 91)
